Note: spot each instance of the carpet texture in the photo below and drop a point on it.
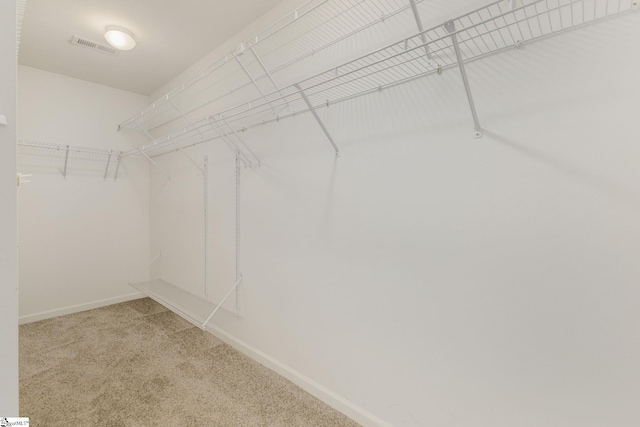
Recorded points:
(138, 364)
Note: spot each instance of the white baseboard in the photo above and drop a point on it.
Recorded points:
(339, 403)
(77, 308)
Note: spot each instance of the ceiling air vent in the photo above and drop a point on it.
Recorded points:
(90, 44)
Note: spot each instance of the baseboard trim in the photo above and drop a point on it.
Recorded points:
(77, 308)
(339, 403)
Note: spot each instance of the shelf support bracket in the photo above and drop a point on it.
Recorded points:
(106, 171)
(266, 71)
(315, 114)
(115, 176)
(66, 162)
(451, 29)
(230, 144)
(204, 324)
(264, 68)
(175, 143)
(141, 151)
(244, 144)
(416, 15)
(145, 268)
(255, 83)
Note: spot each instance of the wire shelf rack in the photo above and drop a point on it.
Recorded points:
(254, 68)
(485, 31)
(328, 23)
(69, 156)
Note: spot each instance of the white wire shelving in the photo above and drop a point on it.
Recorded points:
(98, 160)
(254, 68)
(494, 28)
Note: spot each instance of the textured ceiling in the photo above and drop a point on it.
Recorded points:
(171, 35)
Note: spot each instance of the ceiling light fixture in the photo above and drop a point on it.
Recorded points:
(120, 38)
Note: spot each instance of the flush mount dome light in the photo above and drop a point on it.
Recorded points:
(120, 38)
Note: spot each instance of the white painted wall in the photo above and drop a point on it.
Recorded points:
(429, 278)
(81, 238)
(8, 238)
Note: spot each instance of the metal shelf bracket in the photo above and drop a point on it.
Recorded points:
(451, 29)
(66, 162)
(315, 115)
(106, 170)
(423, 37)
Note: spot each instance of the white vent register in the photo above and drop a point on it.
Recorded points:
(93, 45)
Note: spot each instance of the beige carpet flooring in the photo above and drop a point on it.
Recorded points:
(137, 364)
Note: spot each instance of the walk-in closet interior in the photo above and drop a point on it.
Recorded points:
(420, 212)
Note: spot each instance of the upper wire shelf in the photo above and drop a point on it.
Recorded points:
(499, 26)
(70, 155)
(254, 68)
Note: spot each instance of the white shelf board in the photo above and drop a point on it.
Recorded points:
(187, 305)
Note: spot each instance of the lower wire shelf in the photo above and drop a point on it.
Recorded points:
(185, 304)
